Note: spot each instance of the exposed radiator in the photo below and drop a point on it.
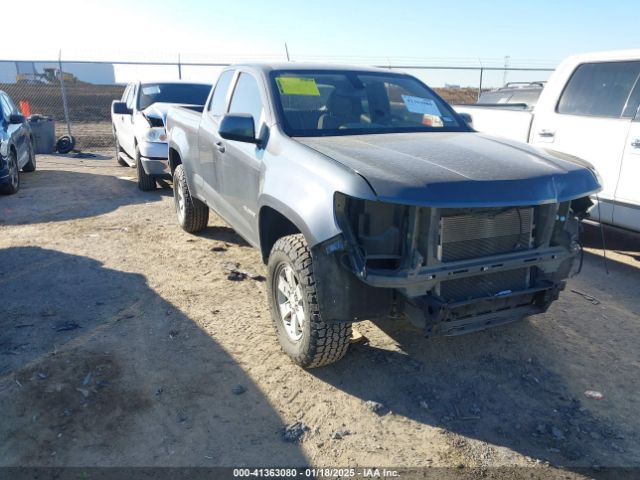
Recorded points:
(473, 235)
(486, 233)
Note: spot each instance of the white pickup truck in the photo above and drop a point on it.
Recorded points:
(138, 125)
(589, 109)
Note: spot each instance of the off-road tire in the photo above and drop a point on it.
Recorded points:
(119, 159)
(321, 343)
(10, 187)
(31, 164)
(193, 214)
(146, 182)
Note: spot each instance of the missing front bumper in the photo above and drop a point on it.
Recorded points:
(439, 318)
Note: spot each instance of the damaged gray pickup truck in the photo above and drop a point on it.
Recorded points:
(369, 197)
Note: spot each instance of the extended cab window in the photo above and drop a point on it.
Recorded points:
(322, 103)
(130, 96)
(4, 108)
(10, 106)
(7, 107)
(599, 89)
(220, 93)
(125, 93)
(246, 99)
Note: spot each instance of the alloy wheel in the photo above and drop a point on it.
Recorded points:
(290, 302)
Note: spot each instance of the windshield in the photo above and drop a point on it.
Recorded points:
(189, 93)
(323, 103)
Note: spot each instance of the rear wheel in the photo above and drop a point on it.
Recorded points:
(146, 182)
(31, 164)
(13, 184)
(193, 214)
(302, 334)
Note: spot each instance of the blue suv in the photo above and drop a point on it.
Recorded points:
(16, 146)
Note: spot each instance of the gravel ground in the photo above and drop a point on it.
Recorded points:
(123, 343)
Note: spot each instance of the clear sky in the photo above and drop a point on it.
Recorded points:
(535, 33)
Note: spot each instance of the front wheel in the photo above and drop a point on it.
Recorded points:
(193, 214)
(146, 182)
(13, 185)
(291, 286)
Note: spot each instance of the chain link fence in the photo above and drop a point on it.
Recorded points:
(78, 95)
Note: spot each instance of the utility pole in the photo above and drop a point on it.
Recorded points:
(286, 49)
(481, 72)
(63, 91)
(507, 62)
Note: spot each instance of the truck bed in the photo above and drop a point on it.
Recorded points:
(504, 121)
(182, 125)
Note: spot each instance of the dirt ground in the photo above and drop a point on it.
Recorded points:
(123, 343)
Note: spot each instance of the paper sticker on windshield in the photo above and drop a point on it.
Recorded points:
(298, 86)
(420, 105)
(151, 90)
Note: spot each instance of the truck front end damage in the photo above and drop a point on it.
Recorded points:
(451, 270)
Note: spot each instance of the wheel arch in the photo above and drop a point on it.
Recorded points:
(316, 225)
(273, 225)
(174, 159)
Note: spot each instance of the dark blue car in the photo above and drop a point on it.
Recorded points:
(16, 146)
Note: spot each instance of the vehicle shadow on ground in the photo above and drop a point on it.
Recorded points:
(222, 233)
(82, 155)
(70, 195)
(625, 244)
(497, 386)
(623, 294)
(97, 369)
(618, 240)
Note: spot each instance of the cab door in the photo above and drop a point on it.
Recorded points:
(591, 121)
(125, 129)
(116, 118)
(208, 169)
(626, 212)
(241, 162)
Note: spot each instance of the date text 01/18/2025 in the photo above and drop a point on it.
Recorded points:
(315, 472)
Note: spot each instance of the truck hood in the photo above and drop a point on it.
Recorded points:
(160, 110)
(465, 169)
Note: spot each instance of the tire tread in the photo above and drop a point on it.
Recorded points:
(196, 215)
(146, 182)
(328, 342)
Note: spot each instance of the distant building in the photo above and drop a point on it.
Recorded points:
(33, 72)
(8, 72)
(452, 86)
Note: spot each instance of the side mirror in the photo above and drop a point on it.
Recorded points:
(16, 119)
(467, 118)
(238, 127)
(120, 108)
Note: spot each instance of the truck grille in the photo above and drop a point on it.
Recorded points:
(489, 232)
(487, 285)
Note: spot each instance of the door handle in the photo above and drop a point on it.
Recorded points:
(636, 143)
(546, 133)
(220, 147)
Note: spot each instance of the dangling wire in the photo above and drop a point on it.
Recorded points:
(604, 245)
(581, 259)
